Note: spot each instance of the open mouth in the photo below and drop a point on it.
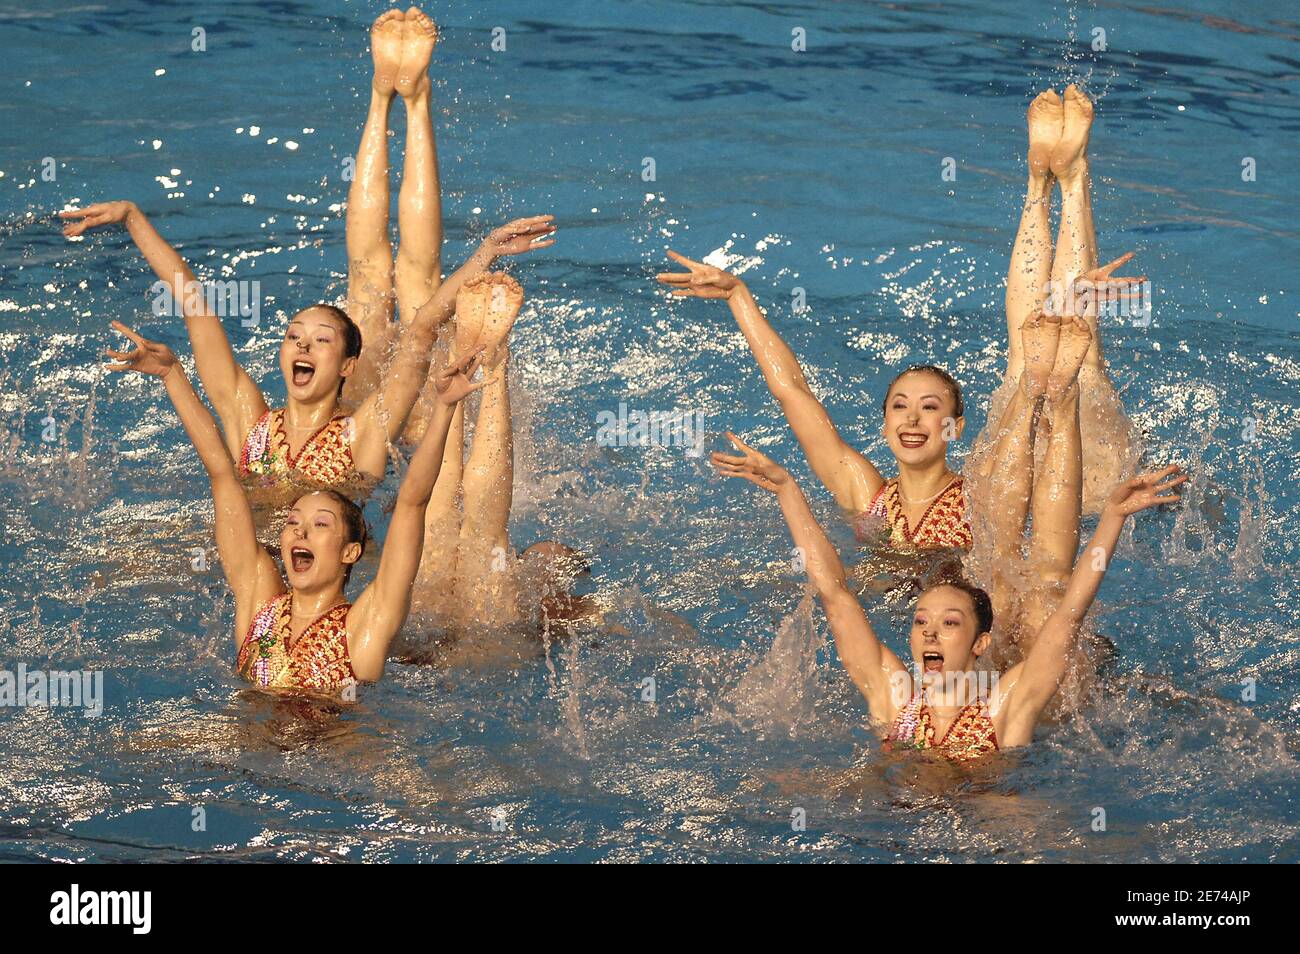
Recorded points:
(303, 372)
(912, 439)
(932, 662)
(301, 558)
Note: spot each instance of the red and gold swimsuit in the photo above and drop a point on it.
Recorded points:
(325, 460)
(944, 523)
(970, 735)
(318, 660)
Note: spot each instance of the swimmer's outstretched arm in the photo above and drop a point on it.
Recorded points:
(237, 400)
(1026, 688)
(384, 414)
(871, 665)
(514, 238)
(250, 572)
(851, 478)
(380, 611)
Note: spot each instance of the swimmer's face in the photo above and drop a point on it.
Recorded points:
(919, 411)
(314, 543)
(313, 355)
(944, 637)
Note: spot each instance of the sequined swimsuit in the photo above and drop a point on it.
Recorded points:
(944, 523)
(318, 660)
(325, 460)
(970, 735)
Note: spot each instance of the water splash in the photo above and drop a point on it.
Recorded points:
(569, 696)
(778, 694)
(1247, 555)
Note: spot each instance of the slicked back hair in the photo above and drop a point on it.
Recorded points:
(979, 598)
(959, 405)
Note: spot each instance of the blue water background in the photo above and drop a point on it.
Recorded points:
(824, 166)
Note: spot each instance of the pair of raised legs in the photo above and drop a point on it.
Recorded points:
(1057, 441)
(470, 578)
(465, 571)
(401, 46)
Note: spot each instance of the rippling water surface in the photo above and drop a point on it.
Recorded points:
(822, 170)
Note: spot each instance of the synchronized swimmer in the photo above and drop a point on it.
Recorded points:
(924, 506)
(1057, 445)
(952, 627)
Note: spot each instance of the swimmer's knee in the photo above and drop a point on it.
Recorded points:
(485, 471)
(418, 264)
(371, 280)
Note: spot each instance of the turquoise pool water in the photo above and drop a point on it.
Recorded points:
(823, 167)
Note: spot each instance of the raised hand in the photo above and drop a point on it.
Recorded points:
(701, 281)
(1146, 490)
(1089, 289)
(752, 465)
(521, 235)
(93, 216)
(148, 357)
(453, 383)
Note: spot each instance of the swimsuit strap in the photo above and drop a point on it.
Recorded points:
(260, 643)
(911, 721)
(256, 442)
(876, 506)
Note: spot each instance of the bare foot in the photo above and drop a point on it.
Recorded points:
(417, 49)
(485, 312)
(386, 50)
(1038, 340)
(471, 310)
(1072, 347)
(506, 299)
(1070, 157)
(1045, 118)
